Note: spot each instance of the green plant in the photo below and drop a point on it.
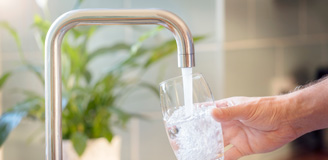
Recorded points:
(91, 104)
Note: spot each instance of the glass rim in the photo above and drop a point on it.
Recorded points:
(180, 77)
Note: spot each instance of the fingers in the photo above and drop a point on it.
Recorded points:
(240, 110)
(222, 103)
(231, 113)
(228, 112)
(232, 154)
(230, 130)
(232, 101)
(226, 138)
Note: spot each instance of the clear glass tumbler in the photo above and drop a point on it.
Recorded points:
(191, 130)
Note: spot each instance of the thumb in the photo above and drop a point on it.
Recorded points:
(224, 114)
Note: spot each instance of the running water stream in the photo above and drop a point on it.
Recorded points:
(187, 90)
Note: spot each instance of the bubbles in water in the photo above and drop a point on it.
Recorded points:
(173, 132)
(197, 136)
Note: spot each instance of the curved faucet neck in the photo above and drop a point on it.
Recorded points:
(74, 18)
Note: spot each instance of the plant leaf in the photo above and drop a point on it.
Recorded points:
(199, 38)
(8, 122)
(25, 106)
(83, 33)
(87, 76)
(79, 141)
(144, 37)
(164, 50)
(122, 116)
(36, 70)
(107, 50)
(160, 52)
(74, 56)
(78, 4)
(151, 87)
(11, 118)
(4, 78)
(29, 94)
(108, 135)
(13, 33)
(42, 27)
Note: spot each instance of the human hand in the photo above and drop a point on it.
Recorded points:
(254, 125)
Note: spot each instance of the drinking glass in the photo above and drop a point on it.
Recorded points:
(191, 130)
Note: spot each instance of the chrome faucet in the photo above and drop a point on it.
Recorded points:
(53, 84)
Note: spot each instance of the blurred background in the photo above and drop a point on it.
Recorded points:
(271, 47)
(252, 48)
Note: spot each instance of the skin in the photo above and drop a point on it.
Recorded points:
(263, 124)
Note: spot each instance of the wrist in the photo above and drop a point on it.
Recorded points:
(308, 109)
(298, 113)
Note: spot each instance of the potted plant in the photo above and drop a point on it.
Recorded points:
(91, 104)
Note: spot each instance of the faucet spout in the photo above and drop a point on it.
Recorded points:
(74, 18)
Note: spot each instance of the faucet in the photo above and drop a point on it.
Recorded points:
(71, 19)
